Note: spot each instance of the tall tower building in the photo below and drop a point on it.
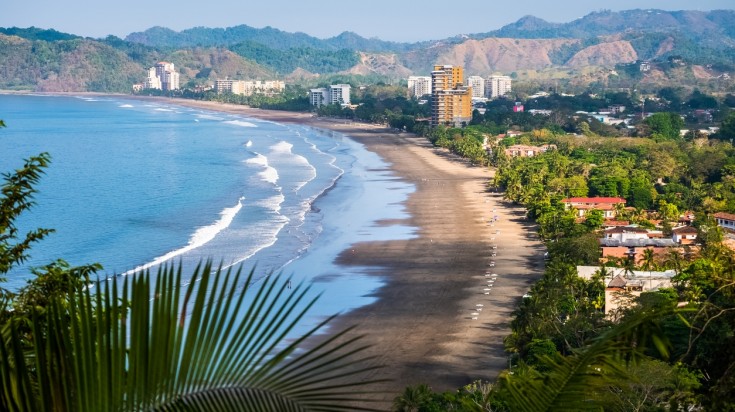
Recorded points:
(497, 86)
(477, 84)
(168, 75)
(451, 100)
(419, 85)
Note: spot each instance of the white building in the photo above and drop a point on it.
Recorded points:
(419, 85)
(168, 75)
(477, 84)
(725, 220)
(334, 94)
(152, 81)
(249, 87)
(497, 86)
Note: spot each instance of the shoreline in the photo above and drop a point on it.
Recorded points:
(421, 326)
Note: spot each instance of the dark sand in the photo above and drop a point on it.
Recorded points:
(421, 327)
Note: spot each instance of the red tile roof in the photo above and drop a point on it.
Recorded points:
(612, 200)
(685, 229)
(723, 215)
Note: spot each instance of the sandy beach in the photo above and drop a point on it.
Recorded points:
(446, 306)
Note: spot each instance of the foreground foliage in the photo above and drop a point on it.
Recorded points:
(213, 340)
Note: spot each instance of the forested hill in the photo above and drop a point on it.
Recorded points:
(268, 36)
(688, 48)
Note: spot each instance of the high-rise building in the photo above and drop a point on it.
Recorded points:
(419, 85)
(451, 100)
(477, 84)
(497, 86)
(334, 94)
(168, 75)
(152, 81)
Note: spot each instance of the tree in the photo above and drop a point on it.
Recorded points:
(17, 197)
(665, 124)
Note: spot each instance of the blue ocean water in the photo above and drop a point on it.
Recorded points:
(134, 184)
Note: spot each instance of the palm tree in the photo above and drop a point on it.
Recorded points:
(145, 343)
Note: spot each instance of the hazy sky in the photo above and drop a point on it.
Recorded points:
(399, 20)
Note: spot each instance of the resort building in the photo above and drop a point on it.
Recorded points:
(168, 76)
(477, 84)
(451, 100)
(250, 87)
(419, 85)
(583, 204)
(152, 81)
(497, 86)
(334, 94)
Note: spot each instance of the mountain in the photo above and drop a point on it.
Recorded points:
(162, 37)
(688, 47)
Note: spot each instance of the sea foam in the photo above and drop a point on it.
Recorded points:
(269, 173)
(201, 237)
(240, 123)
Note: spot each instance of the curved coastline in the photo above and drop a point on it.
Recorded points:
(424, 325)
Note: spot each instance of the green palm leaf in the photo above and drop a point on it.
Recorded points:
(149, 343)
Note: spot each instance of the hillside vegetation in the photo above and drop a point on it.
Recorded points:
(598, 48)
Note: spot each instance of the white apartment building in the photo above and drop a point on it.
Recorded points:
(152, 81)
(334, 94)
(250, 87)
(419, 85)
(497, 86)
(168, 75)
(477, 84)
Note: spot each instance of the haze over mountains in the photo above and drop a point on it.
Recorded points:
(46, 60)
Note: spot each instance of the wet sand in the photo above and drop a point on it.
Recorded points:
(442, 315)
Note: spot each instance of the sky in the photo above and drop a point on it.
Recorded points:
(396, 20)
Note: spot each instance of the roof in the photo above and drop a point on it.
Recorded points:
(615, 223)
(655, 242)
(617, 282)
(723, 215)
(612, 200)
(626, 229)
(685, 229)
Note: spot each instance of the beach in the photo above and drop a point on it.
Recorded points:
(445, 308)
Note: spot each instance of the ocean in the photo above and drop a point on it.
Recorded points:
(134, 184)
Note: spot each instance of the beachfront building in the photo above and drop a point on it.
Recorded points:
(419, 85)
(250, 87)
(152, 81)
(477, 84)
(605, 204)
(497, 86)
(168, 76)
(333, 94)
(451, 102)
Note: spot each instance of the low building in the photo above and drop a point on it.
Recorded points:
(250, 87)
(622, 287)
(604, 204)
(631, 242)
(527, 151)
(725, 220)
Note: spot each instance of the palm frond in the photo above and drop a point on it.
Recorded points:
(149, 343)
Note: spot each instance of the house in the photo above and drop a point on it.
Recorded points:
(684, 235)
(632, 241)
(622, 287)
(725, 220)
(527, 151)
(604, 204)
